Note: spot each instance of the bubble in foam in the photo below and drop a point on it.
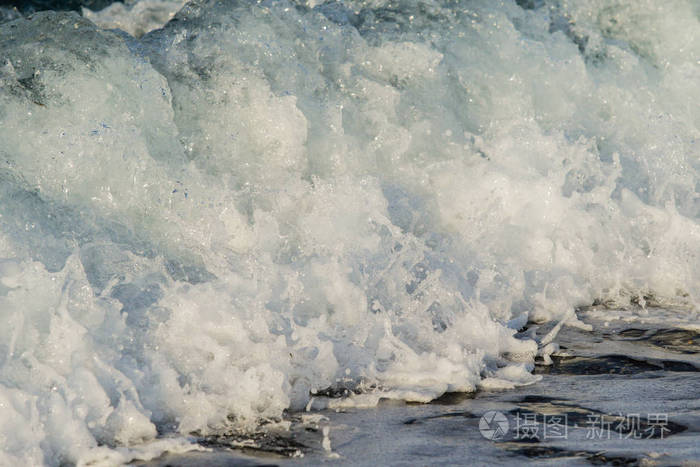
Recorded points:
(202, 227)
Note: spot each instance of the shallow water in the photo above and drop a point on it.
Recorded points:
(264, 207)
(619, 406)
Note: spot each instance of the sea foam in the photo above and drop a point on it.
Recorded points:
(202, 228)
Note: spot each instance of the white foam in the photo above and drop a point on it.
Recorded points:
(135, 17)
(201, 227)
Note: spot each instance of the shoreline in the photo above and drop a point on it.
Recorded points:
(623, 395)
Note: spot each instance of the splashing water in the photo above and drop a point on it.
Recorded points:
(202, 227)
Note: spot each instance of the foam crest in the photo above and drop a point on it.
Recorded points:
(264, 202)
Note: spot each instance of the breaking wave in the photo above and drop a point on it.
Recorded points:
(202, 227)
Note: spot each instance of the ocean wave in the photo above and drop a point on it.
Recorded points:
(210, 225)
